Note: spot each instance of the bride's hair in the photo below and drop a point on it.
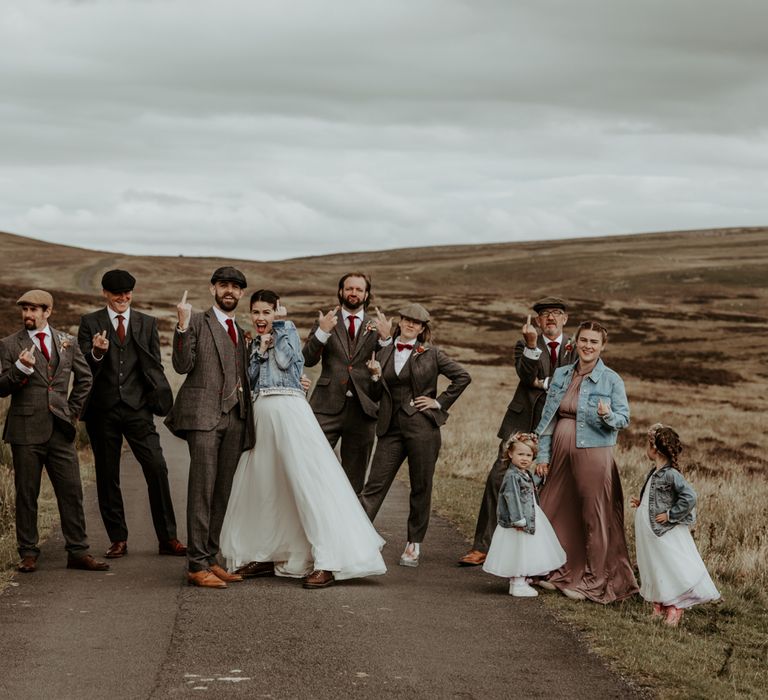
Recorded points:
(265, 295)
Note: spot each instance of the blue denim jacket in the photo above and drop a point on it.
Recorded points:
(592, 430)
(279, 370)
(669, 493)
(517, 498)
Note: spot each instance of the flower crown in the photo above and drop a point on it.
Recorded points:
(522, 437)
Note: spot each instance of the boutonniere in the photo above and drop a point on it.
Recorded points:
(421, 349)
(568, 347)
(248, 337)
(370, 326)
(65, 340)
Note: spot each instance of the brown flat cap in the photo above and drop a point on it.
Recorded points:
(229, 274)
(549, 303)
(415, 311)
(36, 297)
(117, 281)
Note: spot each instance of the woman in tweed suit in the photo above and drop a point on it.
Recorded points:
(410, 416)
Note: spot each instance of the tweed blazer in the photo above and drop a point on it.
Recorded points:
(200, 354)
(343, 364)
(424, 366)
(38, 399)
(524, 411)
(142, 328)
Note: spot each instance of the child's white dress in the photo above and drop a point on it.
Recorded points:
(671, 569)
(517, 553)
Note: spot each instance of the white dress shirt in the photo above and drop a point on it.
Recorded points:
(535, 353)
(36, 342)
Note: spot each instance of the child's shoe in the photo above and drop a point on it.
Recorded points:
(674, 615)
(520, 589)
(410, 556)
(658, 611)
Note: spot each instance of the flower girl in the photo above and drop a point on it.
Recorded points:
(524, 543)
(672, 575)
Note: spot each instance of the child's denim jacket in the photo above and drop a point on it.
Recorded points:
(592, 430)
(517, 499)
(669, 493)
(279, 370)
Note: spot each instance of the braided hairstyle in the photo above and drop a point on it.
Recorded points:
(667, 441)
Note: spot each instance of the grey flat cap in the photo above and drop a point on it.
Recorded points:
(549, 303)
(415, 311)
(36, 297)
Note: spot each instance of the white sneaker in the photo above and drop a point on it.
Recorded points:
(410, 556)
(520, 589)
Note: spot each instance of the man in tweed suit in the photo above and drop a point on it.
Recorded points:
(343, 339)
(213, 413)
(536, 359)
(122, 347)
(37, 364)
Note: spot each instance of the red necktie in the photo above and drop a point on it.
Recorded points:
(352, 327)
(553, 353)
(403, 346)
(231, 330)
(43, 348)
(120, 328)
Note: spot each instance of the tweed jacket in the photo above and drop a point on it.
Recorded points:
(424, 366)
(142, 328)
(669, 493)
(38, 399)
(524, 411)
(200, 353)
(343, 364)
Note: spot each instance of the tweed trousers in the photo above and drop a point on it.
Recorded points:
(416, 438)
(213, 455)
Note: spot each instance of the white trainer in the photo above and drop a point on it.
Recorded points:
(410, 556)
(520, 589)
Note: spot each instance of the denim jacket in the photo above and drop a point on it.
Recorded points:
(517, 498)
(279, 370)
(670, 493)
(592, 430)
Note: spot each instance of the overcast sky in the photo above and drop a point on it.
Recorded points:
(277, 129)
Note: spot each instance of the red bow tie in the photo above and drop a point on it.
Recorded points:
(403, 346)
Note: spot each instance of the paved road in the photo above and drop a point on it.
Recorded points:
(139, 632)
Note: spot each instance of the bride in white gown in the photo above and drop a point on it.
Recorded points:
(291, 502)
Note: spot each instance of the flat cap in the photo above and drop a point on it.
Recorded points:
(229, 274)
(415, 311)
(549, 303)
(117, 281)
(36, 297)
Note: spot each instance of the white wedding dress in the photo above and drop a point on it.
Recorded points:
(291, 502)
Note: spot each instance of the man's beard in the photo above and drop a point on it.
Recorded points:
(352, 306)
(30, 324)
(226, 304)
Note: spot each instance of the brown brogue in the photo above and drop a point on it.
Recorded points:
(257, 568)
(474, 557)
(205, 579)
(117, 549)
(172, 548)
(224, 575)
(319, 579)
(28, 564)
(86, 563)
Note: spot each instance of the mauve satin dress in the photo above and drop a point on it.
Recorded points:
(583, 500)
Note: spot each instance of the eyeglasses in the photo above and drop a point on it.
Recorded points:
(551, 312)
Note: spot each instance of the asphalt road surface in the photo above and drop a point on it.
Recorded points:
(138, 631)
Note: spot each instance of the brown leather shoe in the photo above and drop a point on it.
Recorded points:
(86, 563)
(257, 568)
(117, 549)
(473, 557)
(172, 548)
(205, 579)
(28, 564)
(224, 575)
(319, 579)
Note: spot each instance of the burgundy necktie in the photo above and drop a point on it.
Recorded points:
(231, 330)
(352, 327)
(120, 328)
(403, 346)
(43, 348)
(553, 353)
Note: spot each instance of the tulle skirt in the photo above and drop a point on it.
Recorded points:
(671, 569)
(291, 502)
(516, 553)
